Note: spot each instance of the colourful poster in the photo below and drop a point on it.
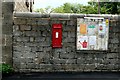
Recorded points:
(102, 29)
(83, 42)
(92, 42)
(92, 34)
(91, 30)
(83, 29)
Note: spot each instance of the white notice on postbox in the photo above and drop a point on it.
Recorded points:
(56, 34)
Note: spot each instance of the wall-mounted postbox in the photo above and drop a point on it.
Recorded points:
(56, 35)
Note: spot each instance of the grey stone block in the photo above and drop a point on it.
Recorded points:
(28, 55)
(31, 39)
(44, 44)
(40, 48)
(29, 15)
(69, 39)
(25, 27)
(59, 16)
(80, 61)
(30, 44)
(39, 39)
(67, 28)
(46, 33)
(71, 61)
(19, 39)
(75, 16)
(16, 66)
(31, 21)
(46, 67)
(63, 61)
(116, 29)
(23, 66)
(48, 39)
(47, 48)
(71, 34)
(42, 22)
(7, 29)
(7, 7)
(58, 61)
(15, 28)
(35, 28)
(42, 28)
(17, 33)
(30, 66)
(65, 34)
(21, 48)
(72, 22)
(112, 55)
(56, 55)
(25, 39)
(16, 55)
(110, 45)
(20, 21)
(34, 49)
(115, 40)
(57, 67)
(111, 67)
(32, 33)
(67, 55)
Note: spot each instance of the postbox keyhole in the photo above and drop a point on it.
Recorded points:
(57, 34)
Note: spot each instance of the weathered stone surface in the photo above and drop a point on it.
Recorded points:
(17, 33)
(115, 40)
(20, 21)
(25, 27)
(67, 55)
(39, 54)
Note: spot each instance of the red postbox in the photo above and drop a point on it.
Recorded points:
(56, 35)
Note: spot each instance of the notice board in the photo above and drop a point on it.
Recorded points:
(92, 33)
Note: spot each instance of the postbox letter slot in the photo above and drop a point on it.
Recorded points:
(57, 34)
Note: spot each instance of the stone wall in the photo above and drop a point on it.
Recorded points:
(6, 17)
(7, 24)
(32, 49)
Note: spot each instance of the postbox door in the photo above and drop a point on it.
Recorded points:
(57, 35)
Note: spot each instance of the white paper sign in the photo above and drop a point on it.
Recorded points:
(92, 40)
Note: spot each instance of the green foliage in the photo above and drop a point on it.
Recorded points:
(59, 9)
(5, 68)
(48, 9)
(91, 8)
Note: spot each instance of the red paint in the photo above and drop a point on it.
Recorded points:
(84, 44)
(56, 35)
(101, 28)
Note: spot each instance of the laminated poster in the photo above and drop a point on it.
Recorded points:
(83, 41)
(83, 29)
(91, 30)
(92, 40)
(102, 29)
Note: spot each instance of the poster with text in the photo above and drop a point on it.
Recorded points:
(83, 42)
(92, 33)
(92, 42)
(83, 29)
